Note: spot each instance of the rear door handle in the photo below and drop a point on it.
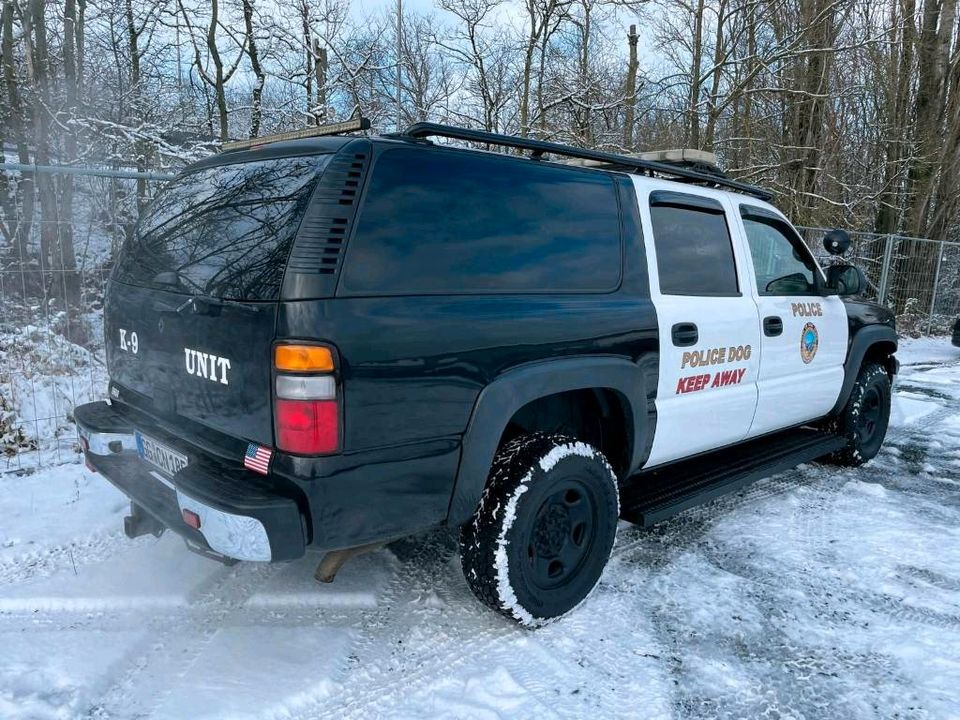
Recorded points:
(685, 334)
(772, 326)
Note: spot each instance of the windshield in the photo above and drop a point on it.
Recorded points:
(223, 231)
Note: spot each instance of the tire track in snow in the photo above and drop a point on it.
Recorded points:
(176, 640)
(448, 638)
(373, 689)
(814, 474)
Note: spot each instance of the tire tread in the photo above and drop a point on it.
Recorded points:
(512, 467)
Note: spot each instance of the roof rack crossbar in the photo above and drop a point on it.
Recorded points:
(426, 129)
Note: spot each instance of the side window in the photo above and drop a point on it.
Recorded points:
(453, 222)
(781, 262)
(694, 251)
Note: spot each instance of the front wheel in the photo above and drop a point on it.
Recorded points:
(864, 419)
(538, 542)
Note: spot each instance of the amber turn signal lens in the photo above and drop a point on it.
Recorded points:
(303, 358)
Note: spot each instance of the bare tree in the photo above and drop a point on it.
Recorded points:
(543, 18)
(483, 49)
(220, 76)
(848, 110)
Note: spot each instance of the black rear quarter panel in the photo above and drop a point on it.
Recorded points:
(412, 367)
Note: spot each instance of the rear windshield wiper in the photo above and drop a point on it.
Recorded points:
(200, 303)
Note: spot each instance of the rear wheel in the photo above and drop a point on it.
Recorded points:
(864, 419)
(538, 542)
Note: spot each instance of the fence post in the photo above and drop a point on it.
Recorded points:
(885, 271)
(936, 282)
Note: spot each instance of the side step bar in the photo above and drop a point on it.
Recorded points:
(659, 493)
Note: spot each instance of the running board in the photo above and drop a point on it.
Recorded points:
(659, 493)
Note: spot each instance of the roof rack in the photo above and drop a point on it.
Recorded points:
(351, 125)
(538, 148)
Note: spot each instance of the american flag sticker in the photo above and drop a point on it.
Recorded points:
(257, 458)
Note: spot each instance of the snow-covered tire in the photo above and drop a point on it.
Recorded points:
(542, 534)
(864, 419)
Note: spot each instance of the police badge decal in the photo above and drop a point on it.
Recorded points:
(809, 342)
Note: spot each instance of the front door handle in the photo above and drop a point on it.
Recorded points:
(685, 334)
(772, 326)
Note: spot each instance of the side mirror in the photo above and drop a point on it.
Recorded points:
(836, 242)
(846, 280)
(795, 284)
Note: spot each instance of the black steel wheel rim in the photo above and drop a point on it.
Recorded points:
(562, 535)
(870, 414)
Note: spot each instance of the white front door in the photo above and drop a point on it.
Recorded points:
(707, 318)
(803, 334)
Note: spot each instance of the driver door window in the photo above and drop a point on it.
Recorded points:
(781, 265)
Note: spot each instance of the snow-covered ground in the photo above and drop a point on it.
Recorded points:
(819, 593)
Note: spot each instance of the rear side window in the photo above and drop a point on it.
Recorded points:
(223, 231)
(458, 222)
(694, 251)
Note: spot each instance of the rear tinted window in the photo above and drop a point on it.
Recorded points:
(694, 252)
(226, 231)
(458, 222)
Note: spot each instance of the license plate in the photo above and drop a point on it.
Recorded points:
(159, 455)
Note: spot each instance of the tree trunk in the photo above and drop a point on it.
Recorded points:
(693, 103)
(136, 103)
(256, 109)
(220, 94)
(807, 108)
(891, 199)
(915, 270)
(713, 109)
(80, 44)
(307, 48)
(541, 109)
(23, 221)
(584, 125)
(630, 91)
(525, 85)
(68, 259)
(49, 218)
(321, 67)
(928, 108)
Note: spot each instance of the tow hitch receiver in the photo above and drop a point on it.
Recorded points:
(139, 523)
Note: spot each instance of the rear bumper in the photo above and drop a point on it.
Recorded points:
(242, 515)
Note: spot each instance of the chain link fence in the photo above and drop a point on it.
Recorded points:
(53, 274)
(918, 278)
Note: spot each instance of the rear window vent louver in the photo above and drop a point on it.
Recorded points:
(323, 234)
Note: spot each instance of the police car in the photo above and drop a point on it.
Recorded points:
(326, 343)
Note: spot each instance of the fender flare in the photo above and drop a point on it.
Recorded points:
(860, 344)
(509, 392)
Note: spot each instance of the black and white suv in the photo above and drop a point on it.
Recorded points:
(333, 342)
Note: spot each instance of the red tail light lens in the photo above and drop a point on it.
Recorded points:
(307, 427)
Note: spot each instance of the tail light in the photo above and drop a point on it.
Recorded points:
(306, 409)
